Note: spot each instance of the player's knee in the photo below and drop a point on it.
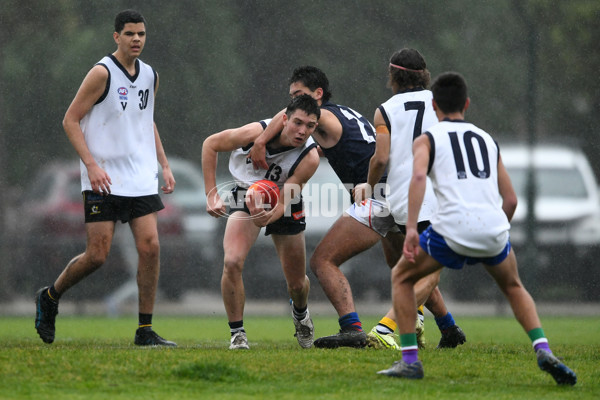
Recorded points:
(96, 253)
(431, 281)
(320, 261)
(96, 257)
(296, 286)
(149, 250)
(315, 263)
(401, 275)
(512, 286)
(233, 265)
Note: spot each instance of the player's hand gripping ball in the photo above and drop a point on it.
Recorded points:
(268, 190)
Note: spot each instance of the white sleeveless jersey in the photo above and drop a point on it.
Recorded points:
(119, 131)
(463, 168)
(282, 164)
(407, 115)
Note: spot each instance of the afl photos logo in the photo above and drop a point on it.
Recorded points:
(123, 96)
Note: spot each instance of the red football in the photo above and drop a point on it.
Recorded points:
(268, 189)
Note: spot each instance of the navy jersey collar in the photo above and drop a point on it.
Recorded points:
(132, 78)
(415, 89)
(453, 120)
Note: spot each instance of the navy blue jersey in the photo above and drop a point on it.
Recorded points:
(350, 157)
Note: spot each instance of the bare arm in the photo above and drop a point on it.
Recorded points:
(257, 152)
(379, 160)
(162, 157)
(509, 197)
(89, 92)
(416, 193)
(164, 163)
(224, 141)
(329, 131)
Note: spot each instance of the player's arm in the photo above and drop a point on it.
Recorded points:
(379, 159)
(509, 197)
(329, 131)
(416, 193)
(89, 92)
(257, 152)
(161, 156)
(291, 188)
(224, 141)
(303, 172)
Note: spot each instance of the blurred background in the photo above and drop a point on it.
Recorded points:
(531, 66)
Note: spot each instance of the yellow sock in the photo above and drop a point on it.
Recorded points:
(388, 323)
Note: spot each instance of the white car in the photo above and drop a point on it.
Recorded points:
(567, 208)
(189, 197)
(202, 234)
(557, 266)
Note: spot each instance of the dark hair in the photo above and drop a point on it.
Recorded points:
(305, 103)
(408, 69)
(450, 92)
(313, 78)
(127, 16)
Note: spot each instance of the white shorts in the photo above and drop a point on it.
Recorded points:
(374, 214)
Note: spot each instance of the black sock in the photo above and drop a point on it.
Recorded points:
(299, 313)
(53, 294)
(145, 320)
(236, 326)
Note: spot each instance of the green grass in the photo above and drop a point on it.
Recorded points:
(94, 358)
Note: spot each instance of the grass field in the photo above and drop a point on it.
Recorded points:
(94, 358)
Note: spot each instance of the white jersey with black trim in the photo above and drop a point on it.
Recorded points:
(282, 164)
(119, 130)
(463, 168)
(407, 115)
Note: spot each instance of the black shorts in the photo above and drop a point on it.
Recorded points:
(421, 226)
(291, 223)
(100, 208)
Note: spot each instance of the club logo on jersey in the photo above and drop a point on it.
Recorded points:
(123, 96)
(298, 215)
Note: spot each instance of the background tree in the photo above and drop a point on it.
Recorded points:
(225, 63)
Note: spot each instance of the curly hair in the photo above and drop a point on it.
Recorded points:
(408, 69)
